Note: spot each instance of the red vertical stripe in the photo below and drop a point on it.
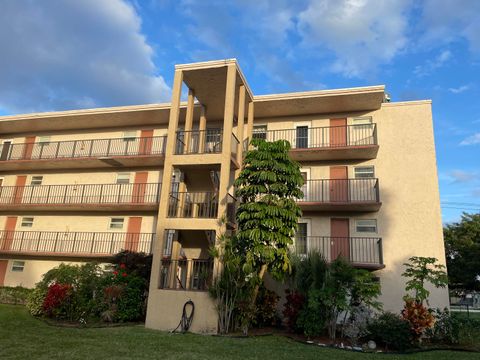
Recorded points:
(133, 233)
(29, 143)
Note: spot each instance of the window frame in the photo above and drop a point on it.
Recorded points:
(34, 179)
(372, 167)
(357, 225)
(112, 224)
(122, 182)
(16, 267)
(24, 223)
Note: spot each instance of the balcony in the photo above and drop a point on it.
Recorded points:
(341, 195)
(327, 143)
(78, 197)
(197, 142)
(94, 153)
(72, 244)
(362, 252)
(199, 204)
(186, 274)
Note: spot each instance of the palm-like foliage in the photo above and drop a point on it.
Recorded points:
(268, 215)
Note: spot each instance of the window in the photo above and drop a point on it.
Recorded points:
(364, 172)
(123, 178)
(116, 223)
(260, 132)
(362, 120)
(27, 222)
(129, 135)
(18, 266)
(368, 226)
(44, 140)
(36, 180)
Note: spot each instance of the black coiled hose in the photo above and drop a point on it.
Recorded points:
(186, 320)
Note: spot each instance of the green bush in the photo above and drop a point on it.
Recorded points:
(14, 295)
(35, 301)
(392, 331)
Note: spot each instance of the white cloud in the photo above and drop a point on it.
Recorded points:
(431, 65)
(471, 140)
(75, 54)
(450, 20)
(362, 33)
(459, 89)
(462, 176)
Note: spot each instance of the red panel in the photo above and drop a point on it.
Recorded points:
(133, 233)
(19, 188)
(338, 184)
(339, 232)
(146, 139)
(3, 271)
(338, 132)
(29, 143)
(10, 226)
(139, 187)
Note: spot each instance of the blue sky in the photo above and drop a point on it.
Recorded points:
(60, 55)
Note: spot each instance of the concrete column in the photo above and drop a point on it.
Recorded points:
(202, 127)
(241, 122)
(166, 178)
(189, 121)
(250, 122)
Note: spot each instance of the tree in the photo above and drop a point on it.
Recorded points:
(420, 270)
(268, 186)
(462, 245)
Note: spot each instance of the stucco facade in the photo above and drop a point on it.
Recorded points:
(81, 185)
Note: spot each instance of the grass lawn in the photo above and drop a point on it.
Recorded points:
(24, 337)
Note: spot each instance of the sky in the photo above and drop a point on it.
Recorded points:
(69, 54)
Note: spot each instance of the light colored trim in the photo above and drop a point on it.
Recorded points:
(320, 93)
(406, 103)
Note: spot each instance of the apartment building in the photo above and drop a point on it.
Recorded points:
(81, 185)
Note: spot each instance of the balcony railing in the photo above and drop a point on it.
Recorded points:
(357, 250)
(323, 137)
(191, 274)
(193, 205)
(137, 193)
(94, 148)
(71, 243)
(341, 191)
(199, 142)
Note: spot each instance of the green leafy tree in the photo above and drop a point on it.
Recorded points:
(420, 270)
(267, 218)
(462, 245)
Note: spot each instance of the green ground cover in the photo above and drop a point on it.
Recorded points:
(25, 337)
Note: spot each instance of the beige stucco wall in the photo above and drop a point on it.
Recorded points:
(409, 220)
(32, 272)
(165, 310)
(81, 223)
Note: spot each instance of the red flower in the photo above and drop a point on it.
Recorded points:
(124, 274)
(115, 273)
(122, 266)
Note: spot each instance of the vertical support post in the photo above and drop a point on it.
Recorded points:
(224, 184)
(240, 126)
(189, 122)
(250, 123)
(202, 131)
(167, 178)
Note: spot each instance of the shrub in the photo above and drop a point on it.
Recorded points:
(418, 316)
(292, 309)
(55, 302)
(35, 301)
(14, 295)
(134, 263)
(391, 330)
(266, 308)
(446, 329)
